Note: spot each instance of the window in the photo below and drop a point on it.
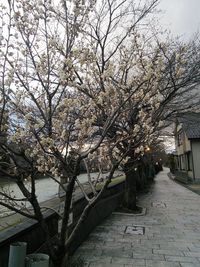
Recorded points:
(189, 161)
(182, 162)
(179, 163)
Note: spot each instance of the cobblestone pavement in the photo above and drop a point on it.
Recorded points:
(171, 232)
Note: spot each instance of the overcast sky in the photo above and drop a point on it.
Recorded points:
(182, 17)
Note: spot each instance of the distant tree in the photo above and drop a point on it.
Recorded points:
(171, 163)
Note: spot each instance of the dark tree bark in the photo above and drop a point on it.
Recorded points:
(130, 196)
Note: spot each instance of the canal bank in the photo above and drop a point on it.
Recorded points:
(46, 188)
(30, 231)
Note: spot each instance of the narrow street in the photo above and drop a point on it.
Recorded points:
(169, 233)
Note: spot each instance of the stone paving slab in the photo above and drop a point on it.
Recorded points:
(186, 264)
(161, 264)
(171, 237)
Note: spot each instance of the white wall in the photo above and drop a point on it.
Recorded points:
(196, 157)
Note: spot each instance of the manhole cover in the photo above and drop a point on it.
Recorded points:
(135, 230)
(159, 204)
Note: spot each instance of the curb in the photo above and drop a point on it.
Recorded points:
(144, 211)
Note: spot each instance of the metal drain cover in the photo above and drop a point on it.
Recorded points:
(158, 204)
(135, 230)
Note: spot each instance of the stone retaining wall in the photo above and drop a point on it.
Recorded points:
(29, 231)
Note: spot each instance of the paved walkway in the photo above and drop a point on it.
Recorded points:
(171, 238)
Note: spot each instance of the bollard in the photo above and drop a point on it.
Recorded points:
(37, 260)
(17, 254)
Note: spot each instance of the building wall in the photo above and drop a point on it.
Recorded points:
(185, 145)
(196, 157)
(179, 148)
(190, 174)
(184, 154)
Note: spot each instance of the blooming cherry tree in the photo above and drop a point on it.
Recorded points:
(131, 69)
(82, 81)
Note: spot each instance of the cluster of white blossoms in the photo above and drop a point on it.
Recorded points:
(71, 85)
(18, 136)
(139, 149)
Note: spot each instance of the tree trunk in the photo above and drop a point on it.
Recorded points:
(130, 196)
(62, 258)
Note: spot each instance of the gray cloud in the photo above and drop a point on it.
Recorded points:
(181, 16)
